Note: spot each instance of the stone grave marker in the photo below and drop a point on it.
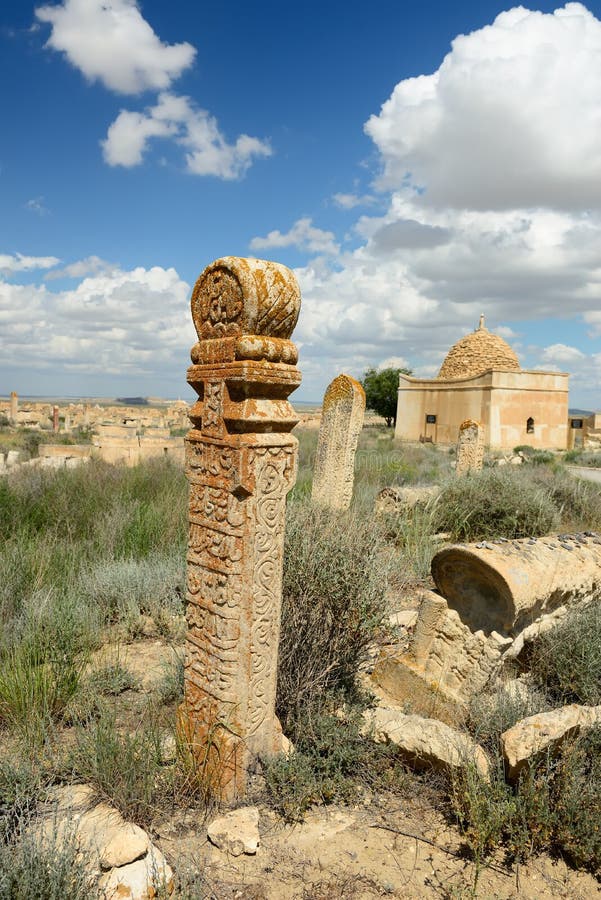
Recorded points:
(241, 461)
(470, 447)
(341, 423)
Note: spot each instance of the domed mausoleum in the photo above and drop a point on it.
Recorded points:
(481, 379)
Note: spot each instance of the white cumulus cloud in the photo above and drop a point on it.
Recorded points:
(91, 265)
(350, 201)
(18, 262)
(110, 41)
(206, 150)
(126, 323)
(510, 119)
(303, 235)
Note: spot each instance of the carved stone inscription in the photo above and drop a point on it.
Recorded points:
(239, 476)
(470, 447)
(341, 424)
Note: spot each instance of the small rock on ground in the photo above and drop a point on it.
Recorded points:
(237, 831)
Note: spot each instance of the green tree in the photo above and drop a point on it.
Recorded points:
(381, 391)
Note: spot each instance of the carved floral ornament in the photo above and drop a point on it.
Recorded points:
(236, 296)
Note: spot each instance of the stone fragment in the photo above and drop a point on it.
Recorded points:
(445, 665)
(341, 423)
(236, 832)
(506, 587)
(470, 447)
(426, 742)
(121, 845)
(541, 732)
(404, 499)
(241, 462)
(144, 879)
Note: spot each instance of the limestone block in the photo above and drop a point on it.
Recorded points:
(140, 880)
(538, 733)
(341, 423)
(445, 665)
(12, 458)
(506, 585)
(470, 447)
(237, 832)
(426, 742)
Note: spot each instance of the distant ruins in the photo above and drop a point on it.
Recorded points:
(241, 462)
(120, 435)
(341, 424)
(481, 379)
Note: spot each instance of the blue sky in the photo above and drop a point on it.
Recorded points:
(417, 163)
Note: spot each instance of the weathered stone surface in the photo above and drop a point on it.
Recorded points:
(403, 499)
(538, 733)
(426, 742)
(141, 880)
(505, 586)
(240, 463)
(237, 832)
(445, 665)
(470, 447)
(341, 423)
(122, 844)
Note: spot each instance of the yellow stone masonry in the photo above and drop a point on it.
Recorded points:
(476, 353)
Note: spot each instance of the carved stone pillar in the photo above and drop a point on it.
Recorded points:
(241, 462)
(470, 447)
(341, 423)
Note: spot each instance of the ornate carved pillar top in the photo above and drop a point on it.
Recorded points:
(244, 312)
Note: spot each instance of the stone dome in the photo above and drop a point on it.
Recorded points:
(476, 353)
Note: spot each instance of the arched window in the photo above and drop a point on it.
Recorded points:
(530, 425)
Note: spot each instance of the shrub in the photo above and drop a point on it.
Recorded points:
(577, 501)
(566, 661)
(38, 678)
(495, 503)
(492, 714)
(332, 762)
(335, 576)
(121, 767)
(123, 589)
(555, 806)
(49, 868)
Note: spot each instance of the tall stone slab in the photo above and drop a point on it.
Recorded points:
(470, 447)
(241, 461)
(55, 422)
(14, 407)
(341, 423)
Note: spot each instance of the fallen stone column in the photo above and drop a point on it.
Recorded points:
(505, 585)
(241, 462)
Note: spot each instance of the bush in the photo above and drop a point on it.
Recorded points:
(50, 868)
(495, 503)
(566, 661)
(555, 806)
(124, 589)
(122, 767)
(38, 678)
(335, 577)
(332, 762)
